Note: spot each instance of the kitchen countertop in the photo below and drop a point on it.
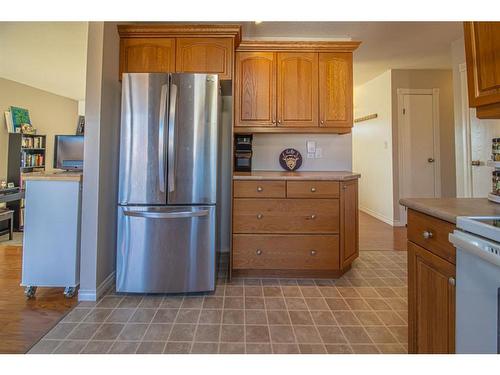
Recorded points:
(54, 176)
(449, 208)
(306, 175)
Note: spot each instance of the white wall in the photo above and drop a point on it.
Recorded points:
(100, 175)
(50, 114)
(372, 147)
(336, 149)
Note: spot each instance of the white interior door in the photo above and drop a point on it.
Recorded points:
(419, 147)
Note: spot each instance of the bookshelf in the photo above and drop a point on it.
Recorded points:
(27, 154)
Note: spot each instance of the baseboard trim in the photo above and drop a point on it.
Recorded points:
(94, 295)
(378, 216)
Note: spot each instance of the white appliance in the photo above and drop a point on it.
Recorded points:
(477, 240)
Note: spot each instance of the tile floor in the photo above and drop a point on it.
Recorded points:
(365, 311)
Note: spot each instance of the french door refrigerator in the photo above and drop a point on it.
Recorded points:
(168, 183)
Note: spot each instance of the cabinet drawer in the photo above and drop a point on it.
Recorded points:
(431, 234)
(316, 252)
(312, 189)
(286, 216)
(259, 189)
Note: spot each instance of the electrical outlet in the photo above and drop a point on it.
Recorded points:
(310, 155)
(319, 153)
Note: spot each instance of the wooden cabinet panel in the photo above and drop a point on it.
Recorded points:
(147, 55)
(335, 89)
(349, 223)
(482, 47)
(312, 189)
(259, 189)
(297, 90)
(431, 234)
(255, 89)
(317, 252)
(286, 216)
(431, 302)
(205, 55)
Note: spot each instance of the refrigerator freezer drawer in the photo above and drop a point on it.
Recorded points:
(166, 249)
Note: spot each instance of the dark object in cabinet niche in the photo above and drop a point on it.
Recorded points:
(243, 153)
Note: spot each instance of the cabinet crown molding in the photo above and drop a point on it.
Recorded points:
(180, 30)
(295, 45)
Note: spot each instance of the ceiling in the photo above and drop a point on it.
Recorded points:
(385, 45)
(50, 56)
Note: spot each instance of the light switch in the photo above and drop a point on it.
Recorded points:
(319, 152)
(311, 146)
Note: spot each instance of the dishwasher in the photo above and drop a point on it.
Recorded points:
(477, 240)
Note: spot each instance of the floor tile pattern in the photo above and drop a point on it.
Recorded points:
(365, 311)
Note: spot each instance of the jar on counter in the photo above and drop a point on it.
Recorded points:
(496, 183)
(495, 149)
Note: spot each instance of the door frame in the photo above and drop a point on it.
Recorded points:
(403, 140)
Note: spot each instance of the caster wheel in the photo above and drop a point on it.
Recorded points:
(30, 291)
(69, 292)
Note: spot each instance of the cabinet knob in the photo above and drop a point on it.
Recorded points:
(313, 216)
(451, 281)
(313, 189)
(427, 234)
(279, 122)
(313, 252)
(258, 252)
(322, 122)
(344, 187)
(260, 216)
(259, 188)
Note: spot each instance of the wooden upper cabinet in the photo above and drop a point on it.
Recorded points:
(205, 55)
(482, 50)
(255, 89)
(349, 223)
(147, 55)
(335, 89)
(431, 303)
(297, 89)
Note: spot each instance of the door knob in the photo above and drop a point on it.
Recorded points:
(476, 163)
(427, 234)
(313, 252)
(260, 216)
(430, 160)
(258, 252)
(451, 281)
(313, 189)
(259, 188)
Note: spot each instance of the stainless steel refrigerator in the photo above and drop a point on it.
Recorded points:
(168, 183)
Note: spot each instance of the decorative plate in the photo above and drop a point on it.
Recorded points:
(290, 159)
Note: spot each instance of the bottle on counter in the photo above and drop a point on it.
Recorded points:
(495, 149)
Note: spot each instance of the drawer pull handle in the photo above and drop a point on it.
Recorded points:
(313, 216)
(260, 216)
(258, 252)
(313, 189)
(427, 234)
(313, 252)
(451, 281)
(259, 188)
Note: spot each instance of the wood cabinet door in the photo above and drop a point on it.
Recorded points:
(482, 49)
(255, 89)
(147, 55)
(349, 222)
(335, 89)
(297, 89)
(205, 55)
(431, 302)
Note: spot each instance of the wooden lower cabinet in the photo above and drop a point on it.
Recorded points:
(300, 234)
(431, 297)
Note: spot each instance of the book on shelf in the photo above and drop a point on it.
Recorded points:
(8, 122)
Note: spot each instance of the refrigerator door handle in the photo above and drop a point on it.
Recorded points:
(166, 215)
(161, 137)
(171, 138)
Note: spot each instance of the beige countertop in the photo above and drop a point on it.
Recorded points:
(54, 176)
(449, 208)
(306, 175)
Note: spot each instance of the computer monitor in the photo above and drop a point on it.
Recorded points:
(68, 152)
